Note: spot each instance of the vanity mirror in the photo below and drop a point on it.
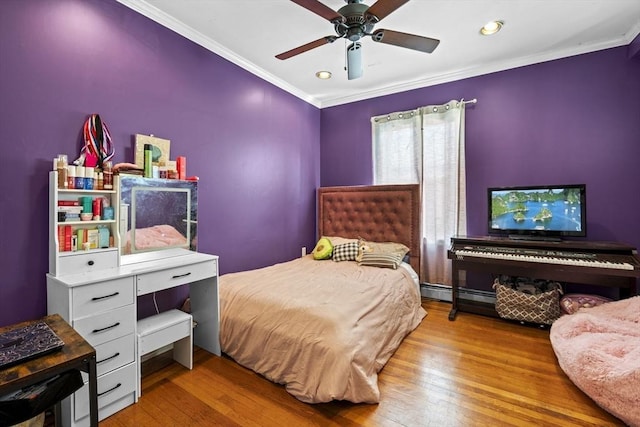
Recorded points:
(157, 216)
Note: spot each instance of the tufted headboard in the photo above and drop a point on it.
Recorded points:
(380, 213)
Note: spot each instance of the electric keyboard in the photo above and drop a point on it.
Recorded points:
(619, 262)
(577, 262)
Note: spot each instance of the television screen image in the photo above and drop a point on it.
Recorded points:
(552, 211)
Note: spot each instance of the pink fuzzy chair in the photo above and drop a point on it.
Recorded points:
(599, 350)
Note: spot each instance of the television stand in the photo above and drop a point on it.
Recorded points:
(607, 264)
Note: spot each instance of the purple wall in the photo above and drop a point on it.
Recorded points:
(574, 120)
(258, 150)
(254, 146)
(567, 121)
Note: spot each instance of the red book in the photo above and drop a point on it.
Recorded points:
(67, 238)
(61, 238)
(68, 203)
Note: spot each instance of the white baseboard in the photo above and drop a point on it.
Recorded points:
(443, 293)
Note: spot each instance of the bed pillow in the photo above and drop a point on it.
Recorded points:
(346, 251)
(383, 260)
(381, 248)
(570, 303)
(386, 255)
(323, 249)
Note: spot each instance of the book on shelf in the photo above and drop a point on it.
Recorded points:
(82, 236)
(68, 203)
(66, 216)
(70, 209)
(61, 238)
(93, 237)
(68, 231)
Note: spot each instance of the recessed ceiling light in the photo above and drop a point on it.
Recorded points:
(323, 75)
(491, 28)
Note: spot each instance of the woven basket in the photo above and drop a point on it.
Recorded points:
(543, 308)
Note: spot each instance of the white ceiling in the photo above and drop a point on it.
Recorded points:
(250, 33)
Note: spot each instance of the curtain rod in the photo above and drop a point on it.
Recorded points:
(471, 101)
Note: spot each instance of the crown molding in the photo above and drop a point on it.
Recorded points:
(184, 30)
(179, 27)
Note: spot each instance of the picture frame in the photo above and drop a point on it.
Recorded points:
(161, 150)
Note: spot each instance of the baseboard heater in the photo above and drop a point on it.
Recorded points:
(443, 293)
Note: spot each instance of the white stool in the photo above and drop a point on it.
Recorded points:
(172, 326)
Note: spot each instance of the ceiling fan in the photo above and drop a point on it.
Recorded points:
(355, 21)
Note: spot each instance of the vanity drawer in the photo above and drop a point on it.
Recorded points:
(164, 279)
(114, 354)
(87, 261)
(107, 326)
(102, 296)
(111, 387)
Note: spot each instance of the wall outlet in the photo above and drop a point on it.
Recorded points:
(304, 251)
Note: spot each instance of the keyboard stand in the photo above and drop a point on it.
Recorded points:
(624, 280)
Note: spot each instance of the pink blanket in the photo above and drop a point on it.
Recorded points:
(324, 329)
(599, 350)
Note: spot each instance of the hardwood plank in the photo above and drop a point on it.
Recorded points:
(476, 371)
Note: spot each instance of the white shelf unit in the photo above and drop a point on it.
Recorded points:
(63, 262)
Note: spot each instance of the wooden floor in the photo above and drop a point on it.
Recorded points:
(475, 371)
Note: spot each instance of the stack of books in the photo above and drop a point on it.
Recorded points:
(69, 210)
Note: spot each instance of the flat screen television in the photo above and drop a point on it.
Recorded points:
(538, 212)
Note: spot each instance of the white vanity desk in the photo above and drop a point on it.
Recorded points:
(101, 305)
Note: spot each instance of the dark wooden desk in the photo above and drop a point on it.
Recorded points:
(624, 280)
(76, 354)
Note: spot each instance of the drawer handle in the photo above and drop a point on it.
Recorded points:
(177, 276)
(108, 358)
(106, 296)
(90, 262)
(95, 331)
(110, 390)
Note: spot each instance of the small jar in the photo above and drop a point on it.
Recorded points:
(79, 178)
(88, 178)
(71, 177)
(107, 175)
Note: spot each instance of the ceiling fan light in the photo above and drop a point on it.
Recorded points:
(491, 28)
(323, 75)
(354, 61)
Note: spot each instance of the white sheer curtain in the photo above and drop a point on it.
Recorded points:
(444, 212)
(426, 146)
(397, 150)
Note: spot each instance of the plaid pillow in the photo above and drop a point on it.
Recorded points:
(345, 251)
(388, 260)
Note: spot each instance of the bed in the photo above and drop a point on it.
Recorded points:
(324, 329)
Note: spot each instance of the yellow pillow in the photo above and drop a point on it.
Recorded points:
(323, 249)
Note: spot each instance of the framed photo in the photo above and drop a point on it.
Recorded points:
(160, 153)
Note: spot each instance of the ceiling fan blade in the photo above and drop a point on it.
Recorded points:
(382, 8)
(320, 9)
(305, 47)
(410, 41)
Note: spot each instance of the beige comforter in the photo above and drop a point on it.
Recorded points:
(324, 329)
